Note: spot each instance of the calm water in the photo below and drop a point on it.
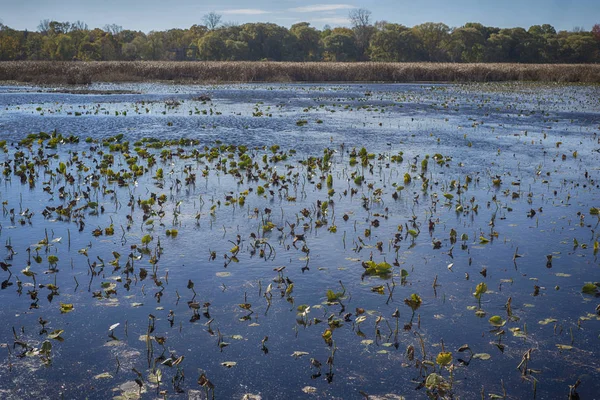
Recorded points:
(517, 175)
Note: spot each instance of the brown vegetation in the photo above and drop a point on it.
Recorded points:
(48, 72)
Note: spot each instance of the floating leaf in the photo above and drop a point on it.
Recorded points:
(229, 364)
(309, 389)
(482, 356)
(378, 289)
(547, 321)
(113, 326)
(373, 268)
(104, 375)
(464, 347)
(589, 288)
(496, 320)
(298, 354)
(564, 347)
(65, 308)
(55, 334)
(517, 332)
(155, 377)
(434, 381)
(414, 301)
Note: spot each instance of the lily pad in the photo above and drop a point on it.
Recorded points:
(482, 356)
(104, 375)
(589, 288)
(65, 308)
(564, 347)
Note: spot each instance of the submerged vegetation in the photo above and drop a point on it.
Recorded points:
(429, 264)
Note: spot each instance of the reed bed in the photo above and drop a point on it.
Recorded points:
(77, 72)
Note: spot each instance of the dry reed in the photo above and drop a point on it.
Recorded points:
(48, 72)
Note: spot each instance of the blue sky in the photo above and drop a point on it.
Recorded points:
(147, 15)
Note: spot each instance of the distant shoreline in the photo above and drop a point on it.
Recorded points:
(211, 72)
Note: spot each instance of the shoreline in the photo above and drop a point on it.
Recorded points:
(230, 72)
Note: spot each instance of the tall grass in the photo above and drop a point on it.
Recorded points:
(48, 72)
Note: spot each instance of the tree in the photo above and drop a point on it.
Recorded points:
(113, 29)
(44, 26)
(466, 44)
(434, 37)
(79, 26)
(212, 20)
(212, 47)
(9, 48)
(308, 42)
(596, 32)
(360, 19)
(268, 41)
(340, 45)
(394, 42)
(65, 51)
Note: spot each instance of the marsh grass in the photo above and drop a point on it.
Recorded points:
(48, 72)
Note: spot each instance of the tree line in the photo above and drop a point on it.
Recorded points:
(362, 41)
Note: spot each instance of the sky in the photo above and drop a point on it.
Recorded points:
(148, 15)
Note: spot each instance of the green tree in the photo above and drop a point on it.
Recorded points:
(211, 47)
(394, 42)
(466, 44)
(65, 51)
(308, 42)
(340, 45)
(434, 37)
(267, 41)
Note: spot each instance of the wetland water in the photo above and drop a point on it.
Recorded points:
(300, 241)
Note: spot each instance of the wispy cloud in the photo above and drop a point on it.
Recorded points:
(245, 11)
(322, 7)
